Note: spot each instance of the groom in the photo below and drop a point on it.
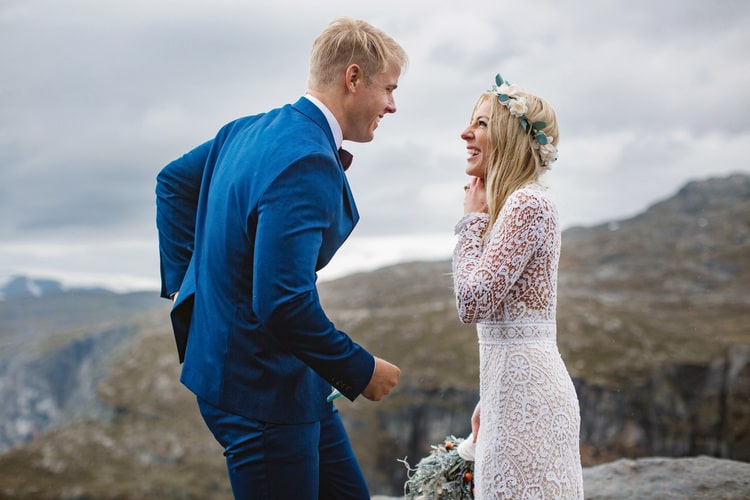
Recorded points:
(245, 221)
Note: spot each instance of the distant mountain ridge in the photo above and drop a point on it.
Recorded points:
(697, 241)
(18, 286)
(23, 286)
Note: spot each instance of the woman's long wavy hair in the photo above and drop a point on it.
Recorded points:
(512, 160)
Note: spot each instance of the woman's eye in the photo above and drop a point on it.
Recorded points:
(482, 123)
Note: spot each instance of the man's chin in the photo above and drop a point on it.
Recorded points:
(363, 139)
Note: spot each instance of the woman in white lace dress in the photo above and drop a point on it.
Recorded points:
(527, 422)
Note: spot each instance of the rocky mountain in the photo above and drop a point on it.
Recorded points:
(54, 348)
(652, 321)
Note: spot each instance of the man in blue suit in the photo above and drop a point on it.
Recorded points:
(245, 222)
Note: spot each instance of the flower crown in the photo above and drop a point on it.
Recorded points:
(510, 96)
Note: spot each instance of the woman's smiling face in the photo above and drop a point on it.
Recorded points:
(476, 139)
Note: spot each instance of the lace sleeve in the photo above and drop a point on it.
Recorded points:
(485, 269)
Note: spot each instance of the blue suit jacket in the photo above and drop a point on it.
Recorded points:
(245, 221)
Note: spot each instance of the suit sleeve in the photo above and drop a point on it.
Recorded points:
(293, 213)
(177, 190)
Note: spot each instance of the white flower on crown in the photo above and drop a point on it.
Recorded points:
(548, 152)
(512, 90)
(517, 106)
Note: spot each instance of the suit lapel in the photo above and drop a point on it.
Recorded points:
(310, 110)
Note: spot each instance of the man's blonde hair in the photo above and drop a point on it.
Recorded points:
(347, 41)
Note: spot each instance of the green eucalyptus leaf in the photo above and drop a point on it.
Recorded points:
(541, 138)
(503, 97)
(524, 123)
(539, 125)
(498, 80)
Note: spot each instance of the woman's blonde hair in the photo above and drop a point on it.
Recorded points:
(513, 159)
(347, 41)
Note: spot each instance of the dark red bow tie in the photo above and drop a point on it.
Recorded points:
(346, 158)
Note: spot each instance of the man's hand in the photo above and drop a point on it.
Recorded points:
(383, 380)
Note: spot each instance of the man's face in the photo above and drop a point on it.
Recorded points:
(370, 103)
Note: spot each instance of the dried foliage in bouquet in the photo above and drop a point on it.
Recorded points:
(447, 473)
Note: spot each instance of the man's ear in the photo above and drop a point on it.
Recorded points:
(354, 77)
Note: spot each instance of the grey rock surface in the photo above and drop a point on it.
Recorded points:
(689, 478)
(657, 478)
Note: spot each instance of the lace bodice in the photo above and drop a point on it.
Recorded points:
(512, 274)
(527, 445)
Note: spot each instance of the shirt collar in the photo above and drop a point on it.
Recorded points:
(338, 135)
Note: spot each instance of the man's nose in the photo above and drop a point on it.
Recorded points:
(391, 106)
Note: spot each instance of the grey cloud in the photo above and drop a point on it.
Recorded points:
(97, 96)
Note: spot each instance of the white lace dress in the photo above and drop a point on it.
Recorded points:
(528, 442)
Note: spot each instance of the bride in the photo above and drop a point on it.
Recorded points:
(526, 424)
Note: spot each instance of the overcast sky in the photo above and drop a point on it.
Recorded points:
(96, 96)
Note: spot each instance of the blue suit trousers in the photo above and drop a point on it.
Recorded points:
(268, 461)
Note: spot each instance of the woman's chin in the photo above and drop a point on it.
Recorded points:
(472, 171)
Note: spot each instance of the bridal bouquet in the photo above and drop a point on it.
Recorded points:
(447, 473)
